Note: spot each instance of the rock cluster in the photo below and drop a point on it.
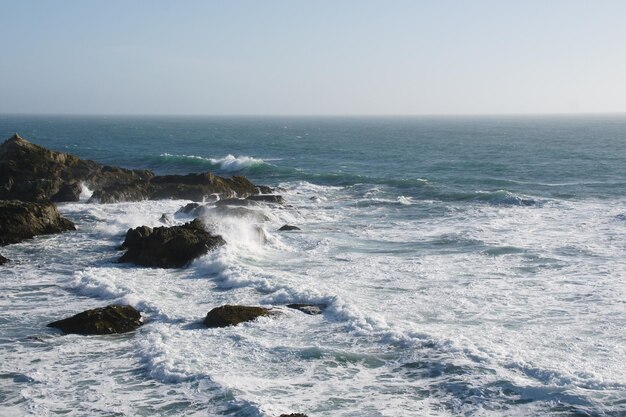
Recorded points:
(106, 320)
(168, 247)
(29, 172)
(21, 220)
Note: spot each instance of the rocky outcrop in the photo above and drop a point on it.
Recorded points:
(21, 220)
(288, 227)
(310, 309)
(231, 315)
(168, 247)
(106, 320)
(195, 187)
(3, 260)
(29, 172)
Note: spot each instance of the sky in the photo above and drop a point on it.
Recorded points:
(339, 57)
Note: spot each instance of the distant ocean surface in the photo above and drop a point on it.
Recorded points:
(471, 267)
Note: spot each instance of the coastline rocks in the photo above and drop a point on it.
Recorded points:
(3, 260)
(29, 172)
(231, 315)
(195, 187)
(168, 247)
(288, 227)
(106, 320)
(21, 220)
(68, 192)
(310, 309)
(267, 198)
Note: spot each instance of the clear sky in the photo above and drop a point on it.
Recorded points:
(339, 57)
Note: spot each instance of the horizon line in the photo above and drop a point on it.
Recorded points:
(346, 115)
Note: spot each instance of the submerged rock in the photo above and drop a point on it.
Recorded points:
(3, 260)
(311, 309)
(288, 227)
(106, 320)
(293, 415)
(21, 220)
(231, 315)
(168, 247)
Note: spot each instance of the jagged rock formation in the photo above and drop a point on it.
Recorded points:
(168, 247)
(105, 320)
(231, 315)
(21, 220)
(30, 172)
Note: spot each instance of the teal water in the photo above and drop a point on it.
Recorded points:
(471, 266)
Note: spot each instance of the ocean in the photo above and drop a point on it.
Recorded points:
(471, 266)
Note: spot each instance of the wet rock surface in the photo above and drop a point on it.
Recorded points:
(106, 320)
(231, 315)
(3, 260)
(288, 227)
(20, 220)
(168, 247)
(29, 172)
(311, 309)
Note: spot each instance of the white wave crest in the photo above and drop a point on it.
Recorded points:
(231, 163)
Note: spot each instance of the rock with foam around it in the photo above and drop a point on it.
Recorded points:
(106, 320)
(20, 220)
(168, 247)
(231, 315)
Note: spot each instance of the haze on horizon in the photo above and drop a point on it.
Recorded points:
(315, 58)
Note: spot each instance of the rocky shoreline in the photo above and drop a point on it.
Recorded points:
(33, 179)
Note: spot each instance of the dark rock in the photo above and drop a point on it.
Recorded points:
(198, 187)
(231, 315)
(288, 227)
(30, 172)
(264, 189)
(293, 415)
(311, 309)
(189, 208)
(3, 260)
(133, 191)
(21, 220)
(168, 247)
(68, 192)
(267, 198)
(240, 212)
(106, 320)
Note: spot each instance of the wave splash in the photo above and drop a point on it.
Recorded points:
(229, 163)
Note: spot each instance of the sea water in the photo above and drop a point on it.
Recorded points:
(470, 267)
